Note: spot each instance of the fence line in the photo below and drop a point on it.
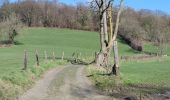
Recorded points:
(74, 59)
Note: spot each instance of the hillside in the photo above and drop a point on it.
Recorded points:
(51, 39)
(145, 72)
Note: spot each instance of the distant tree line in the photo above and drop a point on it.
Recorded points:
(47, 13)
(135, 26)
(50, 13)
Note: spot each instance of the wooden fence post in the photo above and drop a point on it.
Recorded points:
(77, 57)
(37, 58)
(92, 55)
(80, 55)
(62, 56)
(25, 60)
(53, 56)
(95, 57)
(45, 55)
(85, 56)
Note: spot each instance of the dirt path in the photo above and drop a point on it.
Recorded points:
(66, 83)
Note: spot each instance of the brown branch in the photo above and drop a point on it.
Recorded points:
(101, 4)
(117, 25)
(108, 5)
(97, 3)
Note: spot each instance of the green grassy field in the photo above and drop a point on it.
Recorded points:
(69, 41)
(50, 39)
(148, 77)
(155, 72)
(151, 48)
(57, 40)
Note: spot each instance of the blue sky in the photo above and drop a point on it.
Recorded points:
(163, 5)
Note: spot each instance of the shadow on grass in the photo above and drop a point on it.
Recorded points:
(133, 51)
(121, 40)
(105, 74)
(102, 74)
(7, 42)
(18, 43)
(130, 50)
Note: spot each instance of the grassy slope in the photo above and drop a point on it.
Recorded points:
(153, 71)
(69, 41)
(57, 40)
(13, 80)
(151, 48)
(53, 39)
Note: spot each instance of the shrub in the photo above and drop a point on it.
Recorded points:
(9, 28)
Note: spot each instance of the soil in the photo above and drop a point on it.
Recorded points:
(65, 83)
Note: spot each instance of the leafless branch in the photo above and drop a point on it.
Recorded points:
(108, 5)
(117, 24)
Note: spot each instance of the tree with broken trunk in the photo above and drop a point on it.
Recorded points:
(107, 39)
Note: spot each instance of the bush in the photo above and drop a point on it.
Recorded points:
(9, 28)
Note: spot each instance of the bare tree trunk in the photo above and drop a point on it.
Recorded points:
(116, 26)
(103, 35)
(106, 46)
(100, 59)
(100, 56)
(105, 23)
(110, 35)
(115, 69)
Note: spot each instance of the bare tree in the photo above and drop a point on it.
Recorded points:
(156, 26)
(161, 33)
(113, 42)
(27, 9)
(106, 45)
(131, 30)
(9, 28)
(101, 6)
(82, 15)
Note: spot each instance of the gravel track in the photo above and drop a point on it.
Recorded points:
(64, 83)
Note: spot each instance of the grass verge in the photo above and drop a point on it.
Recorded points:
(17, 82)
(140, 79)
